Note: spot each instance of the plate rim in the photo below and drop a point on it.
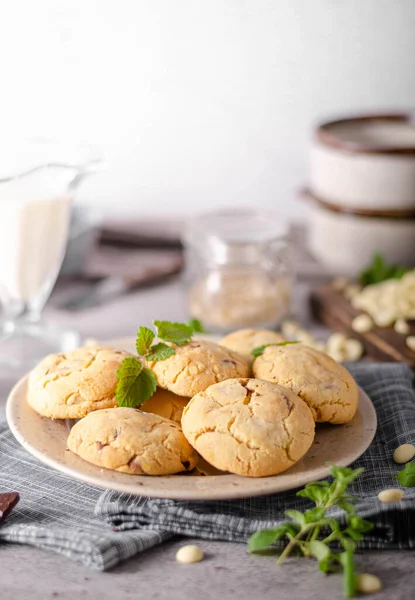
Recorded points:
(14, 401)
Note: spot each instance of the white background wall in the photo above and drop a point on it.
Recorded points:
(197, 103)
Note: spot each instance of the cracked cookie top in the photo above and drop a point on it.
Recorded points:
(71, 385)
(196, 366)
(165, 404)
(131, 441)
(245, 340)
(325, 385)
(249, 427)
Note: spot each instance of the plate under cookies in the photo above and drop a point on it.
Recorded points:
(46, 440)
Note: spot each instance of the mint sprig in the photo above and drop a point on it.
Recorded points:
(260, 349)
(406, 477)
(311, 533)
(135, 383)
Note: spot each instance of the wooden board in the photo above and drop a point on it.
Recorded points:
(381, 344)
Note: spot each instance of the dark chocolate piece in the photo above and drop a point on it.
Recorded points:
(7, 502)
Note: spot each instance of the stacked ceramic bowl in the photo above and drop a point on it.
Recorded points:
(362, 192)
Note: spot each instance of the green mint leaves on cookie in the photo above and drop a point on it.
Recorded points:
(406, 477)
(135, 384)
(159, 351)
(260, 349)
(176, 333)
(312, 532)
(145, 338)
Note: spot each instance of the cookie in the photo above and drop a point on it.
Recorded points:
(132, 441)
(71, 385)
(327, 387)
(244, 341)
(249, 427)
(196, 366)
(165, 404)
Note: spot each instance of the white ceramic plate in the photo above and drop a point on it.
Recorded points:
(46, 439)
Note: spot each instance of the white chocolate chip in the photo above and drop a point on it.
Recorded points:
(353, 349)
(189, 554)
(401, 326)
(289, 329)
(367, 583)
(336, 355)
(391, 495)
(336, 341)
(410, 342)
(384, 317)
(404, 453)
(305, 338)
(362, 323)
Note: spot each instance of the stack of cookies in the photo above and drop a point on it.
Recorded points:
(249, 416)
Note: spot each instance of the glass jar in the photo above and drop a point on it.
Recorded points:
(238, 269)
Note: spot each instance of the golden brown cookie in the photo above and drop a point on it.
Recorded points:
(327, 387)
(196, 366)
(249, 427)
(244, 341)
(165, 404)
(132, 441)
(71, 385)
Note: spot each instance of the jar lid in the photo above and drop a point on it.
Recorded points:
(235, 236)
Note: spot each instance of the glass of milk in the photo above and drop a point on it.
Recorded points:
(37, 184)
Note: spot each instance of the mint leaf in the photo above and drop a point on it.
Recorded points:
(263, 539)
(177, 333)
(318, 492)
(320, 550)
(147, 385)
(144, 340)
(406, 477)
(260, 540)
(260, 349)
(127, 393)
(296, 516)
(196, 325)
(159, 351)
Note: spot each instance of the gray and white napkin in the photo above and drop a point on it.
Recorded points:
(101, 529)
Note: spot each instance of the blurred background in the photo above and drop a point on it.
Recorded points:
(197, 104)
(182, 107)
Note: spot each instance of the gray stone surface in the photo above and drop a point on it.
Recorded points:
(228, 571)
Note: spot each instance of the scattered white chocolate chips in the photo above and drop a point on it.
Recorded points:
(362, 323)
(367, 583)
(401, 326)
(391, 495)
(404, 453)
(189, 554)
(338, 346)
(388, 302)
(410, 342)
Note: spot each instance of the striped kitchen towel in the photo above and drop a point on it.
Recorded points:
(101, 529)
